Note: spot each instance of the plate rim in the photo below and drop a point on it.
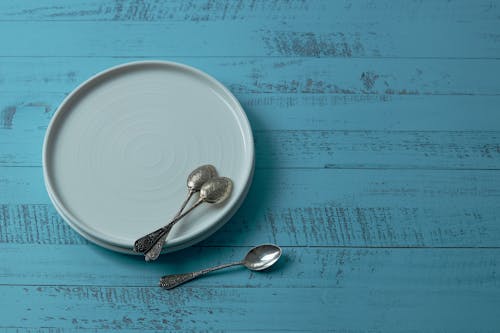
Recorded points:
(88, 84)
(129, 250)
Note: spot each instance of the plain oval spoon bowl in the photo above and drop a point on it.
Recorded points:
(257, 259)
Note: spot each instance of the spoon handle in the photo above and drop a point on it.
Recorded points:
(188, 197)
(171, 281)
(153, 252)
(146, 243)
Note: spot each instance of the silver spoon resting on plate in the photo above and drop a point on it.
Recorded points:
(195, 181)
(212, 190)
(257, 259)
(151, 245)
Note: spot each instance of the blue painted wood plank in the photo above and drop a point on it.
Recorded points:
(337, 149)
(309, 207)
(417, 31)
(23, 126)
(300, 267)
(338, 112)
(388, 149)
(388, 309)
(280, 75)
(262, 10)
(377, 149)
(410, 39)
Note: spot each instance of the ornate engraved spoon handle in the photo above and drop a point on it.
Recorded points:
(143, 244)
(146, 243)
(154, 251)
(174, 280)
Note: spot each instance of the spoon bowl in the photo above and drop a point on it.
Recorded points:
(262, 257)
(216, 190)
(199, 176)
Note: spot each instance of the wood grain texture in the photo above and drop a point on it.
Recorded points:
(377, 133)
(390, 309)
(310, 207)
(300, 267)
(338, 112)
(261, 10)
(280, 149)
(422, 282)
(321, 145)
(468, 33)
(278, 75)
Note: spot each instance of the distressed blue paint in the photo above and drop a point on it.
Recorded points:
(327, 37)
(377, 131)
(281, 75)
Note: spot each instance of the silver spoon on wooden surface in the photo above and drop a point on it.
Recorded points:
(195, 181)
(257, 259)
(214, 191)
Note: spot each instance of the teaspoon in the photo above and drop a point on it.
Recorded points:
(257, 259)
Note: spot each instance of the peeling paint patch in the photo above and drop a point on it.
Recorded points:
(368, 79)
(7, 116)
(310, 44)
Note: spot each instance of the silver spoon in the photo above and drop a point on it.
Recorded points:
(194, 182)
(214, 191)
(257, 259)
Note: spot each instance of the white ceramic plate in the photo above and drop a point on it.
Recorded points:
(119, 148)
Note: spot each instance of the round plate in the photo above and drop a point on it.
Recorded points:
(120, 147)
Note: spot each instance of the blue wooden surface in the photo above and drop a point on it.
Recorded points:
(377, 127)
